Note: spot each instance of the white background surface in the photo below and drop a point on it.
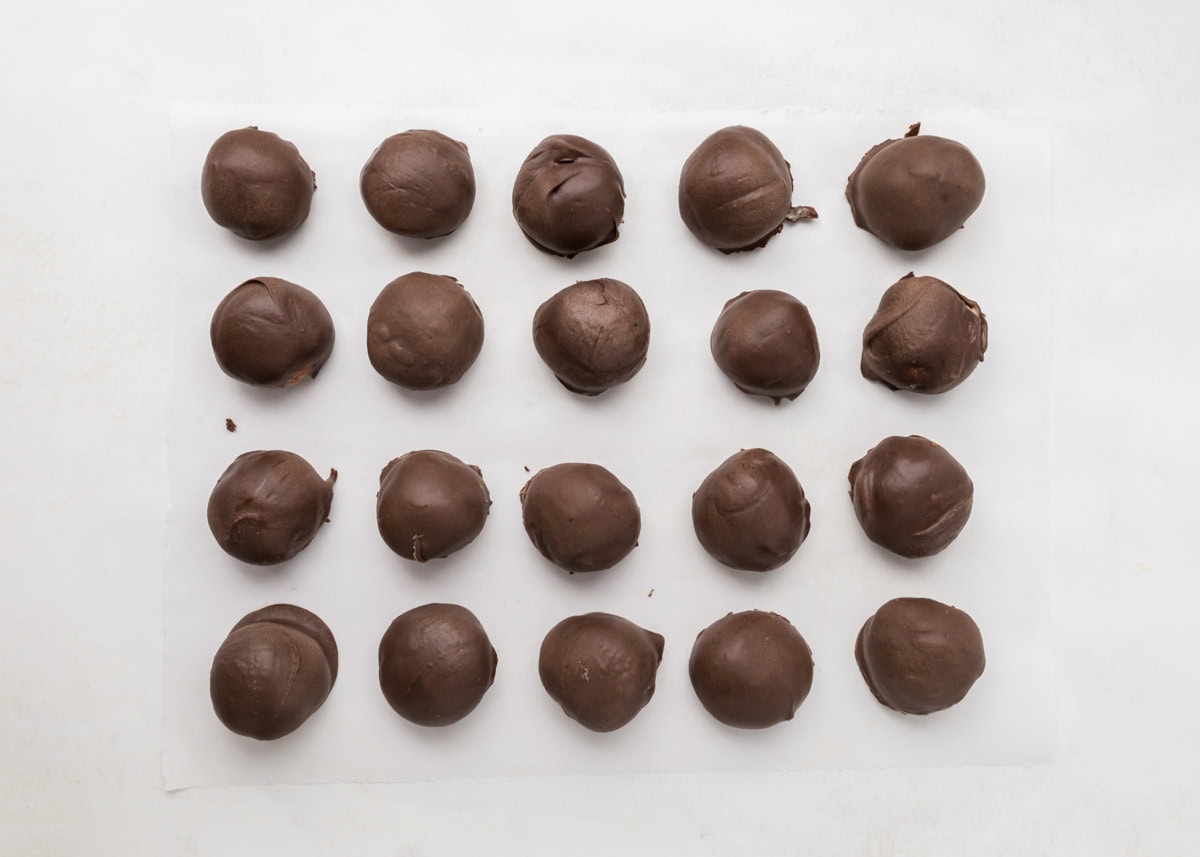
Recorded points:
(85, 330)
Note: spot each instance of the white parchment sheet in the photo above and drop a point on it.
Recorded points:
(660, 434)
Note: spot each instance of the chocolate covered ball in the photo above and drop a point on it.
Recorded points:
(430, 504)
(268, 505)
(569, 196)
(256, 185)
(273, 671)
(735, 191)
(593, 335)
(424, 331)
(580, 516)
(435, 664)
(911, 496)
(419, 184)
(918, 655)
(925, 337)
(271, 333)
(750, 513)
(915, 192)
(751, 670)
(600, 668)
(765, 343)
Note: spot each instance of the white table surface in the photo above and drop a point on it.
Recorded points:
(84, 333)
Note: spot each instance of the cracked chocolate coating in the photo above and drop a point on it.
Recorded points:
(271, 333)
(750, 513)
(569, 196)
(751, 670)
(915, 192)
(430, 504)
(911, 496)
(600, 668)
(273, 671)
(919, 656)
(765, 342)
(419, 184)
(268, 505)
(435, 664)
(256, 185)
(580, 516)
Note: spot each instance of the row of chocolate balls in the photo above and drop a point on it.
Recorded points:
(425, 331)
(750, 670)
(910, 495)
(735, 189)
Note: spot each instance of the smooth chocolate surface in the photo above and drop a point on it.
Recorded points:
(925, 337)
(919, 656)
(273, 671)
(911, 496)
(593, 335)
(580, 516)
(430, 504)
(750, 513)
(917, 191)
(765, 342)
(751, 670)
(256, 185)
(271, 333)
(600, 668)
(419, 184)
(268, 505)
(735, 191)
(569, 196)
(424, 331)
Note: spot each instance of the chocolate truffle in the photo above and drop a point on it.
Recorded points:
(918, 655)
(268, 505)
(593, 335)
(580, 516)
(915, 192)
(271, 333)
(735, 191)
(419, 184)
(765, 343)
(424, 331)
(750, 513)
(256, 185)
(430, 504)
(600, 668)
(435, 664)
(925, 337)
(751, 670)
(569, 196)
(911, 496)
(273, 671)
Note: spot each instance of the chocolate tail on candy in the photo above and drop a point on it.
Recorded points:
(801, 212)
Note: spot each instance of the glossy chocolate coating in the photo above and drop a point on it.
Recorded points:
(419, 184)
(268, 505)
(918, 655)
(750, 513)
(256, 185)
(765, 342)
(735, 191)
(273, 671)
(600, 668)
(593, 335)
(424, 331)
(271, 333)
(569, 196)
(911, 495)
(925, 337)
(751, 670)
(580, 516)
(435, 664)
(917, 191)
(430, 504)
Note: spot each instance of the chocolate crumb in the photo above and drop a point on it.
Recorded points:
(230, 425)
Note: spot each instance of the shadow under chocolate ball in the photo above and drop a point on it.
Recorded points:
(419, 184)
(430, 504)
(256, 185)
